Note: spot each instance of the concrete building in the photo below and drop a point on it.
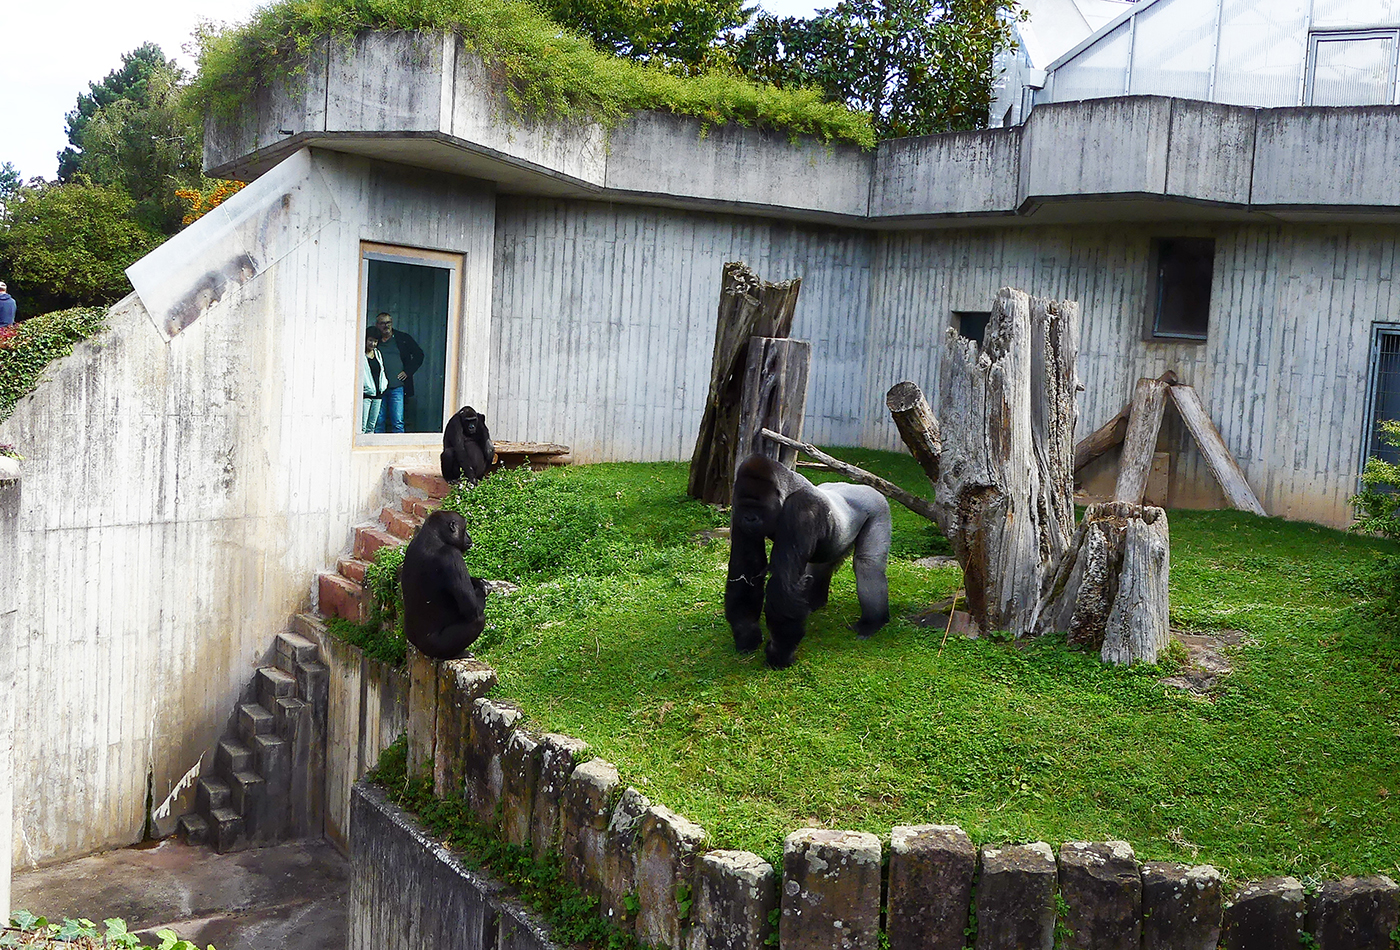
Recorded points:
(191, 469)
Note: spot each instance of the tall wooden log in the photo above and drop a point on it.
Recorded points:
(1109, 591)
(917, 426)
(1140, 443)
(774, 397)
(748, 307)
(1111, 433)
(1003, 479)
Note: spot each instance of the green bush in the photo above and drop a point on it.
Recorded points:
(37, 933)
(542, 69)
(1378, 510)
(29, 347)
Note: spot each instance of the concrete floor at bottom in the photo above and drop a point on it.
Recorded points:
(288, 897)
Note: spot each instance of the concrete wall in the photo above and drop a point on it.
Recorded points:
(181, 492)
(9, 534)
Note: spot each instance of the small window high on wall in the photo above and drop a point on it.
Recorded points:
(971, 324)
(1179, 300)
(409, 323)
(1351, 68)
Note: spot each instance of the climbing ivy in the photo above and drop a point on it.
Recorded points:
(27, 348)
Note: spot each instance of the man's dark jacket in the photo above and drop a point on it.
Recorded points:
(411, 354)
(7, 313)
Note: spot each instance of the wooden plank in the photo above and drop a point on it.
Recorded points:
(1140, 441)
(774, 397)
(1218, 458)
(1111, 433)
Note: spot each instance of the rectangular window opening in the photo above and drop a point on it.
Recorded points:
(1384, 398)
(971, 324)
(1351, 68)
(1183, 268)
(410, 311)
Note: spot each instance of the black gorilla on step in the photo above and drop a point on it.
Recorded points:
(813, 528)
(443, 605)
(467, 449)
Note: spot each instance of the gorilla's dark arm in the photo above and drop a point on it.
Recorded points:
(469, 598)
(743, 593)
(453, 450)
(802, 525)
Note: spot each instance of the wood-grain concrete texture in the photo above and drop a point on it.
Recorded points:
(179, 496)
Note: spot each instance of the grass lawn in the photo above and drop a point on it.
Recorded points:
(617, 636)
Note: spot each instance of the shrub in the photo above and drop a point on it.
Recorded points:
(1378, 510)
(30, 346)
(543, 70)
(37, 933)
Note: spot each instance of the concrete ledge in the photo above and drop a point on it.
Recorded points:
(408, 892)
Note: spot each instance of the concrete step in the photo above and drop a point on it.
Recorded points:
(309, 626)
(253, 720)
(244, 791)
(286, 712)
(399, 524)
(429, 483)
(342, 597)
(273, 684)
(193, 829)
(231, 756)
(369, 539)
(352, 568)
(227, 832)
(313, 685)
(272, 758)
(210, 794)
(292, 649)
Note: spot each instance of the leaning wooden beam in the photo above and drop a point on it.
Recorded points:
(1218, 458)
(1144, 422)
(1111, 433)
(917, 426)
(914, 503)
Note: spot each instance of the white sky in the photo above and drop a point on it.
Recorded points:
(52, 50)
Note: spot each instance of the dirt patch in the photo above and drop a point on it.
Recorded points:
(1208, 660)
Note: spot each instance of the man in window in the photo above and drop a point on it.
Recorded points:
(402, 357)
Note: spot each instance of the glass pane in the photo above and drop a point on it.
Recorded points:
(1263, 48)
(1352, 71)
(1096, 72)
(410, 303)
(1184, 270)
(1174, 49)
(1351, 14)
(1386, 373)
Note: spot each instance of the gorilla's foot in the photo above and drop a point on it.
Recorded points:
(865, 629)
(748, 638)
(779, 658)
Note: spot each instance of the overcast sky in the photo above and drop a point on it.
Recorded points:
(51, 49)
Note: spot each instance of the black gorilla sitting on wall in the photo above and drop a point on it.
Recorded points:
(467, 449)
(813, 528)
(443, 605)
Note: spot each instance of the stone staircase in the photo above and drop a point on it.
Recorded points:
(267, 784)
(341, 593)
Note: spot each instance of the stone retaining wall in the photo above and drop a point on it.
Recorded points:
(925, 886)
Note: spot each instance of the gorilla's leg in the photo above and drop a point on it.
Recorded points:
(819, 589)
(872, 553)
(743, 594)
(789, 591)
(451, 468)
(452, 640)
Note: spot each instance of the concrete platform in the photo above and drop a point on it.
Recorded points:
(288, 897)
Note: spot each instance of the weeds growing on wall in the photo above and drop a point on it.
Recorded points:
(573, 917)
(31, 346)
(38, 933)
(1378, 512)
(542, 69)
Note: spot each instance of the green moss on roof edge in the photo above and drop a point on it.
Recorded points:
(545, 71)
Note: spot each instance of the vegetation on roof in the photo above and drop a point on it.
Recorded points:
(544, 70)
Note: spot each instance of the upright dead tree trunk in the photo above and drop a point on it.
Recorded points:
(1109, 591)
(774, 397)
(748, 307)
(1002, 462)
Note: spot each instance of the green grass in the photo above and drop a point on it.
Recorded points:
(618, 637)
(542, 70)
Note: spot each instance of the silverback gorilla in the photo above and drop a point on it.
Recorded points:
(467, 449)
(443, 605)
(813, 529)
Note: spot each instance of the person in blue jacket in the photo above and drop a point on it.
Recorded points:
(7, 306)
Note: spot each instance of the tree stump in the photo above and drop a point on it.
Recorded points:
(1109, 590)
(774, 397)
(748, 307)
(1002, 461)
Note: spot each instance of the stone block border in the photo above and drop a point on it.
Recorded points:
(657, 878)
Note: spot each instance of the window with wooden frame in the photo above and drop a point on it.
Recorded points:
(1183, 269)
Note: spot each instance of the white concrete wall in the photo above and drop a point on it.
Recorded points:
(179, 496)
(9, 533)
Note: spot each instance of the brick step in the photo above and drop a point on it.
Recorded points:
(352, 568)
(430, 484)
(399, 524)
(273, 684)
(419, 507)
(210, 794)
(272, 756)
(292, 649)
(369, 539)
(193, 829)
(226, 830)
(253, 720)
(231, 756)
(342, 597)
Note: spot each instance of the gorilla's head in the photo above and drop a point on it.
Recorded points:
(471, 421)
(756, 498)
(450, 528)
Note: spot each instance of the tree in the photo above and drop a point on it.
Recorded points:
(69, 244)
(682, 36)
(133, 132)
(9, 187)
(915, 66)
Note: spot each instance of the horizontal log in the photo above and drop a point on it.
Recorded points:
(920, 506)
(531, 448)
